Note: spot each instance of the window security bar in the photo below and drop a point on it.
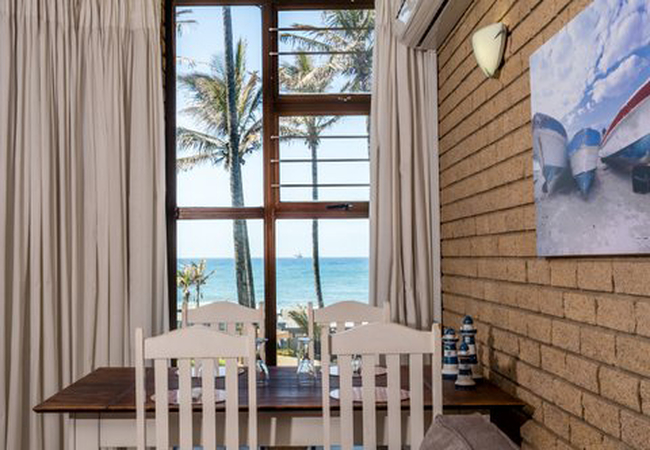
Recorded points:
(342, 136)
(328, 160)
(328, 185)
(307, 28)
(342, 52)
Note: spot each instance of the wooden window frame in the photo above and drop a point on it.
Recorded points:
(274, 107)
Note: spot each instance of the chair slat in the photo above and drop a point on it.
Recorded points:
(232, 405)
(310, 331)
(140, 393)
(416, 399)
(394, 403)
(185, 403)
(436, 370)
(325, 370)
(161, 375)
(209, 432)
(368, 363)
(252, 391)
(346, 398)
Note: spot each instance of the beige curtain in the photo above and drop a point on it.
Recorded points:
(404, 206)
(82, 226)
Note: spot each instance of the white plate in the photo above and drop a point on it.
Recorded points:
(197, 394)
(379, 371)
(381, 394)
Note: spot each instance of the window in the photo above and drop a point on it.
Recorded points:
(283, 219)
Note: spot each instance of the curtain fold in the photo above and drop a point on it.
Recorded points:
(404, 206)
(82, 190)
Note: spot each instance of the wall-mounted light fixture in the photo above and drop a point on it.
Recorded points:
(489, 43)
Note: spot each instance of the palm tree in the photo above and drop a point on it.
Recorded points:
(225, 103)
(350, 33)
(303, 75)
(200, 278)
(184, 281)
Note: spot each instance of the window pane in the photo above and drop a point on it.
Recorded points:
(205, 164)
(326, 51)
(324, 158)
(211, 242)
(343, 250)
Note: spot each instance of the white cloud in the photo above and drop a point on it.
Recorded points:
(565, 69)
(617, 82)
(627, 32)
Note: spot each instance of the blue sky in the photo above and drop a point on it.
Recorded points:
(208, 185)
(585, 73)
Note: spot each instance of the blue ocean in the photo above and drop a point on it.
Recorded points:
(341, 279)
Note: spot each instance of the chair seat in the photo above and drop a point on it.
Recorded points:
(465, 432)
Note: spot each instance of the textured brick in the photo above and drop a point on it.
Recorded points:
(632, 278)
(567, 397)
(596, 276)
(643, 318)
(584, 435)
(645, 396)
(553, 360)
(529, 351)
(534, 433)
(580, 307)
(619, 387)
(551, 302)
(633, 354)
(539, 271)
(582, 372)
(539, 328)
(556, 420)
(601, 414)
(564, 273)
(566, 335)
(635, 430)
(615, 313)
(598, 344)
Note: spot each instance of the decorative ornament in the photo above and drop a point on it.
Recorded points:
(450, 356)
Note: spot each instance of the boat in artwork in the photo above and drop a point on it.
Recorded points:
(626, 144)
(550, 149)
(583, 158)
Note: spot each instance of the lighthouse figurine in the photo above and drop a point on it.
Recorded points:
(450, 356)
(468, 334)
(464, 380)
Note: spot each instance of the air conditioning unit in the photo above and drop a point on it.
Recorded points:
(426, 23)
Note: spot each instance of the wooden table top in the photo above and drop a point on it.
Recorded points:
(113, 390)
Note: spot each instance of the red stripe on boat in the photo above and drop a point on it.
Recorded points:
(633, 102)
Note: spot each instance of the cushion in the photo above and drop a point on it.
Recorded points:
(465, 432)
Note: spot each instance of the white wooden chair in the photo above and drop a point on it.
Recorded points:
(370, 341)
(226, 315)
(206, 345)
(335, 317)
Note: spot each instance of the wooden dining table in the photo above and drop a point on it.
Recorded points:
(101, 407)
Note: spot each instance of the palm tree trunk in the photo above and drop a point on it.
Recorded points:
(243, 266)
(315, 260)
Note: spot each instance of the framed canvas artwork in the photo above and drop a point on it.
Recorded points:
(590, 100)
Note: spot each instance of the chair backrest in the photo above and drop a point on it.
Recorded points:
(207, 346)
(342, 313)
(371, 341)
(226, 315)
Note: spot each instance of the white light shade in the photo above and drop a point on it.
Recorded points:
(489, 44)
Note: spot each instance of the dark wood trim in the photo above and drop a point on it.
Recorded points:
(170, 156)
(269, 81)
(339, 104)
(219, 213)
(320, 210)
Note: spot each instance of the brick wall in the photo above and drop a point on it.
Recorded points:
(569, 336)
